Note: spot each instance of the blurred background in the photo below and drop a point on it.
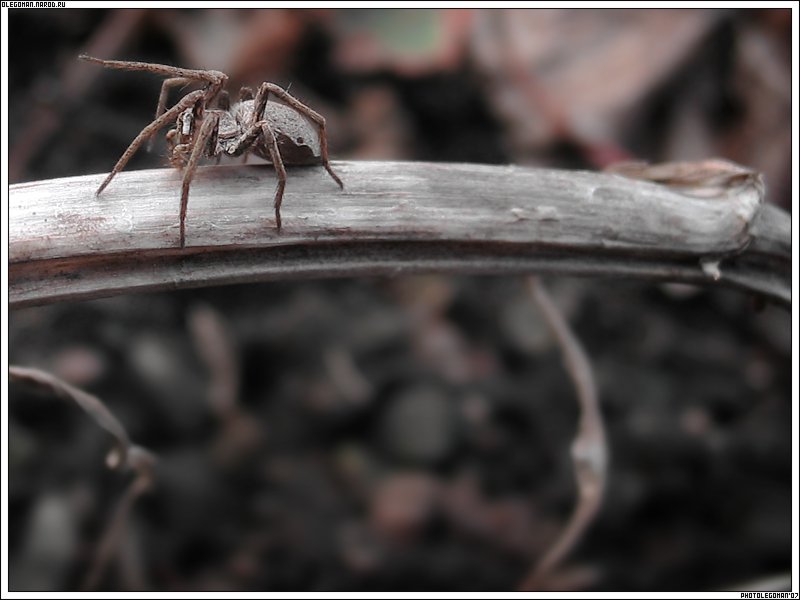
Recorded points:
(410, 433)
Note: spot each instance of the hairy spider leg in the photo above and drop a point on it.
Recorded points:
(224, 105)
(148, 131)
(208, 131)
(271, 88)
(246, 141)
(162, 98)
(212, 77)
(215, 79)
(245, 94)
(259, 106)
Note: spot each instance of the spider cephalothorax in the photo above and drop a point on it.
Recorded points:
(249, 126)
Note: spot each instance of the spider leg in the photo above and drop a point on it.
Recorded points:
(311, 114)
(213, 77)
(245, 93)
(162, 98)
(246, 141)
(213, 140)
(260, 105)
(258, 114)
(208, 131)
(277, 162)
(148, 131)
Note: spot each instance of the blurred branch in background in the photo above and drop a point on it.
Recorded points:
(126, 456)
(74, 80)
(589, 449)
(239, 432)
(605, 81)
(576, 76)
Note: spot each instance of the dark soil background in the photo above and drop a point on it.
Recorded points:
(411, 433)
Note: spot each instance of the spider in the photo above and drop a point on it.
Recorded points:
(250, 125)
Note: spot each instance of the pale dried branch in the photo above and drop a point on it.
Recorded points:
(67, 243)
(589, 448)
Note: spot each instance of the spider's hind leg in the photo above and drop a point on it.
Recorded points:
(277, 162)
(271, 88)
(246, 141)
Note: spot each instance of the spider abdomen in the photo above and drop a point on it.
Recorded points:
(295, 134)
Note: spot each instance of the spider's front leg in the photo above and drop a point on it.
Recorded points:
(162, 98)
(148, 131)
(208, 132)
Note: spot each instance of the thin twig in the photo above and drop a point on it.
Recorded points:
(93, 406)
(66, 243)
(124, 456)
(589, 449)
(142, 462)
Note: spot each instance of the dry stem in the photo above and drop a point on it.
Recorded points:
(66, 243)
(125, 455)
(589, 449)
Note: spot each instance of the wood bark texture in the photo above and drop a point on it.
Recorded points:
(66, 243)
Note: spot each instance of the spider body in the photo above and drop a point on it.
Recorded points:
(296, 139)
(281, 132)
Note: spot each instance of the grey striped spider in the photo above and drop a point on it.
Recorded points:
(249, 126)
